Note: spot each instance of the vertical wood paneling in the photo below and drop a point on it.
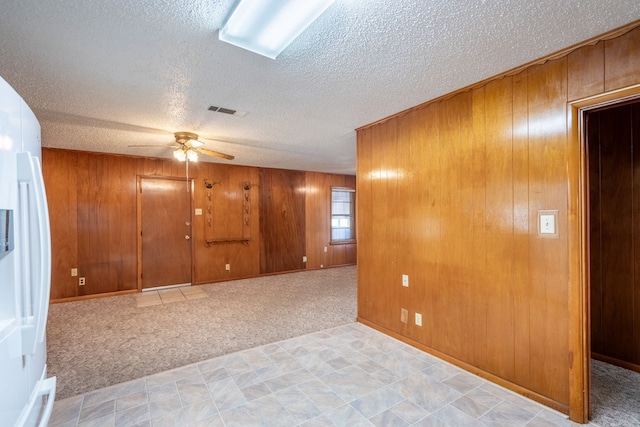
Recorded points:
(409, 150)
(499, 224)
(586, 71)
(92, 200)
(460, 214)
(93, 224)
(364, 225)
(451, 274)
(424, 289)
(617, 244)
(318, 221)
(60, 176)
(245, 258)
(622, 62)
(466, 209)
(547, 190)
(386, 222)
(476, 305)
(282, 219)
(635, 132)
(595, 237)
(318, 216)
(521, 231)
(615, 221)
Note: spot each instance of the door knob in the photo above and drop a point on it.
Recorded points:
(187, 237)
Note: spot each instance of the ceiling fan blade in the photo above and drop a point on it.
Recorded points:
(65, 118)
(214, 153)
(153, 145)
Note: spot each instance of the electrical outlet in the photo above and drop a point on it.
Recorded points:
(304, 259)
(81, 281)
(74, 272)
(227, 267)
(325, 249)
(418, 319)
(404, 315)
(405, 280)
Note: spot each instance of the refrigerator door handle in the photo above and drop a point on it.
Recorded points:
(33, 202)
(43, 388)
(47, 388)
(45, 249)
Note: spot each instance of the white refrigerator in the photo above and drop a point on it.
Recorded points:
(26, 394)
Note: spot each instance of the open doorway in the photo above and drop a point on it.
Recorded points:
(612, 141)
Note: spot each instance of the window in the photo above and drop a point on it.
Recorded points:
(343, 215)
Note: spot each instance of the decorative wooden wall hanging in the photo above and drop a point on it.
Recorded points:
(210, 235)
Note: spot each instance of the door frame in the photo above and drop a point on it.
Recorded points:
(579, 357)
(190, 186)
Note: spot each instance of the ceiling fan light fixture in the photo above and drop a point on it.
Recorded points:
(267, 27)
(180, 155)
(192, 156)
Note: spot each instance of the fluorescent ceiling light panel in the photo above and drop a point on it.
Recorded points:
(267, 27)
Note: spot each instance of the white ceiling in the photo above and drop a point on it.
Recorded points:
(104, 75)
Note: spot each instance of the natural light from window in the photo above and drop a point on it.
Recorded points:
(343, 227)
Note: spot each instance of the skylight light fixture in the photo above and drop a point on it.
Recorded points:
(266, 27)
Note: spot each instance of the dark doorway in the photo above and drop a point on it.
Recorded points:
(613, 146)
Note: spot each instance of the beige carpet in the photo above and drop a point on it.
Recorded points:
(97, 343)
(615, 395)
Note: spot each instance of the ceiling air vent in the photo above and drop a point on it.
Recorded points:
(228, 111)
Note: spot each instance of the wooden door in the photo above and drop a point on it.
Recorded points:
(165, 232)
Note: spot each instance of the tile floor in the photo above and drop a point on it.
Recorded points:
(165, 296)
(350, 376)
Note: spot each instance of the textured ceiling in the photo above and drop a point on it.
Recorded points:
(104, 75)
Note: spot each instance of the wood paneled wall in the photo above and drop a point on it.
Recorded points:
(318, 212)
(449, 193)
(614, 162)
(282, 219)
(92, 202)
(227, 218)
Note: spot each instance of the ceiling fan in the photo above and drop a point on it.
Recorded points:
(187, 150)
(188, 147)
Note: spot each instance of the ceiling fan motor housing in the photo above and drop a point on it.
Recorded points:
(184, 137)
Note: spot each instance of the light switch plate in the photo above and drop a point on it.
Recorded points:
(405, 280)
(548, 223)
(198, 211)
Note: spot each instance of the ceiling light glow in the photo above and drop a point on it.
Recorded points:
(267, 27)
(192, 156)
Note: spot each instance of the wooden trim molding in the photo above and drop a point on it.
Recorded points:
(616, 362)
(579, 264)
(92, 296)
